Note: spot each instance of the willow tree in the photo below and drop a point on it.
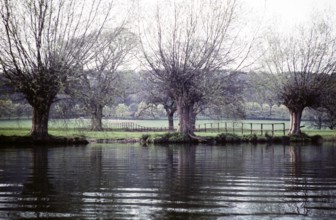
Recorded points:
(101, 80)
(43, 44)
(300, 65)
(155, 94)
(188, 41)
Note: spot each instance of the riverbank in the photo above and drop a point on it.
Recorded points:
(169, 138)
(75, 136)
(227, 138)
(50, 140)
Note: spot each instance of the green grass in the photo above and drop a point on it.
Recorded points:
(110, 123)
(76, 133)
(81, 123)
(78, 127)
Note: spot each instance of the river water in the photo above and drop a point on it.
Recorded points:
(120, 181)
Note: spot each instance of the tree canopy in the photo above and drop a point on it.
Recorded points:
(300, 65)
(43, 44)
(186, 45)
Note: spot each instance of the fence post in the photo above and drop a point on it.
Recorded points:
(218, 127)
(251, 128)
(233, 128)
(284, 129)
(242, 128)
(272, 129)
(261, 127)
(225, 127)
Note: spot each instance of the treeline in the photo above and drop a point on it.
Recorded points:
(257, 104)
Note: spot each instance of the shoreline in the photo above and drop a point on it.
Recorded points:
(50, 140)
(166, 138)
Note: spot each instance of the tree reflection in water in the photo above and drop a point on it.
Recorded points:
(38, 193)
(169, 182)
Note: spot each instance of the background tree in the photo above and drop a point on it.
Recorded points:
(225, 98)
(155, 94)
(43, 43)
(189, 42)
(101, 82)
(260, 90)
(300, 65)
(325, 115)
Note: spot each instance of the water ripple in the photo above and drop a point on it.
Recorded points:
(179, 182)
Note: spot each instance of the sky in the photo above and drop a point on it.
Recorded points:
(283, 13)
(290, 12)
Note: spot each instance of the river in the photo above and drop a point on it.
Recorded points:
(128, 181)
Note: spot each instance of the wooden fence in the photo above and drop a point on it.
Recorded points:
(243, 128)
(131, 126)
(220, 127)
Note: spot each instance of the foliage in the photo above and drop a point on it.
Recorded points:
(145, 138)
(171, 137)
(259, 90)
(147, 111)
(122, 110)
(226, 98)
(325, 115)
(227, 138)
(6, 107)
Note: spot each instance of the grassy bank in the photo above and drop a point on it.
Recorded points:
(327, 135)
(78, 128)
(227, 138)
(118, 133)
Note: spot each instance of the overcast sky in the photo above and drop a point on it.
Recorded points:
(290, 12)
(280, 12)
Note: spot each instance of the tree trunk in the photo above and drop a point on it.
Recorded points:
(40, 120)
(170, 111)
(193, 118)
(170, 121)
(185, 119)
(295, 121)
(96, 118)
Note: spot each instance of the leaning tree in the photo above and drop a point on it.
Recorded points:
(188, 41)
(43, 44)
(299, 66)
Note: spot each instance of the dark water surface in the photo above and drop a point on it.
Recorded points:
(177, 182)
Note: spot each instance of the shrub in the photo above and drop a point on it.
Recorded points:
(251, 138)
(227, 138)
(173, 137)
(299, 138)
(145, 138)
